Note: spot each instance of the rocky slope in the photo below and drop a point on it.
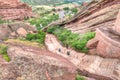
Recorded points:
(29, 61)
(97, 14)
(33, 63)
(14, 10)
(15, 30)
(88, 65)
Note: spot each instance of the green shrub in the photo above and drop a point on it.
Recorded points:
(74, 10)
(78, 77)
(75, 41)
(45, 20)
(3, 51)
(54, 10)
(6, 57)
(39, 37)
(52, 29)
(66, 8)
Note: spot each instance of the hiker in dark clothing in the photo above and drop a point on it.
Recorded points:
(68, 53)
(59, 50)
(67, 46)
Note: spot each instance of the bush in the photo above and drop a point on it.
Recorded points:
(45, 20)
(74, 10)
(52, 29)
(66, 8)
(3, 51)
(54, 10)
(39, 37)
(6, 57)
(78, 77)
(75, 41)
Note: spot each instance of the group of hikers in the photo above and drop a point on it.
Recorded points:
(68, 51)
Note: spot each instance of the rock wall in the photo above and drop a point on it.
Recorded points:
(96, 15)
(14, 10)
(91, 66)
(108, 41)
(108, 45)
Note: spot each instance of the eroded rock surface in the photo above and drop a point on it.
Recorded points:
(14, 10)
(88, 65)
(95, 16)
(33, 63)
(15, 30)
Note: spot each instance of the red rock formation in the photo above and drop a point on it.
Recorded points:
(15, 30)
(14, 10)
(109, 40)
(88, 65)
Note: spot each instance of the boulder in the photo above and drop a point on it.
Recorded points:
(92, 43)
(15, 30)
(21, 32)
(13, 34)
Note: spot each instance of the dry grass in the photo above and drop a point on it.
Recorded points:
(24, 42)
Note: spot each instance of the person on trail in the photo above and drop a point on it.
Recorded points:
(61, 14)
(41, 26)
(67, 46)
(68, 53)
(59, 50)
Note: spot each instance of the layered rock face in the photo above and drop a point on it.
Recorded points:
(102, 15)
(99, 14)
(14, 10)
(91, 66)
(108, 41)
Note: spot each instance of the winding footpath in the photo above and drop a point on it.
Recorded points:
(89, 65)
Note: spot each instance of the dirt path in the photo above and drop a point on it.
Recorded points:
(91, 66)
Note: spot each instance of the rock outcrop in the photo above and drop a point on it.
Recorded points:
(33, 63)
(15, 30)
(92, 66)
(14, 10)
(108, 40)
(96, 15)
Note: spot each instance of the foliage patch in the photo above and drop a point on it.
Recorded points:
(3, 52)
(75, 41)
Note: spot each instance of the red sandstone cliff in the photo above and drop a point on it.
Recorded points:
(100, 16)
(14, 10)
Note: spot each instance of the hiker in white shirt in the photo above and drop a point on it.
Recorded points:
(61, 14)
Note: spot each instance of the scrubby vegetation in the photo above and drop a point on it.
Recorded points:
(74, 10)
(39, 37)
(66, 8)
(78, 77)
(75, 41)
(3, 52)
(42, 9)
(43, 21)
(3, 21)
